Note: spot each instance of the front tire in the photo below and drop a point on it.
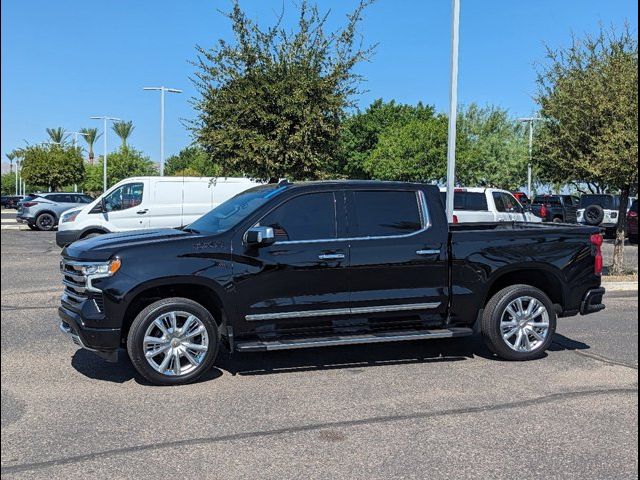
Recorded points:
(173, 341)
(45, 222)
(519, 323)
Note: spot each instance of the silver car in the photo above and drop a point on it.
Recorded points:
(42, 211)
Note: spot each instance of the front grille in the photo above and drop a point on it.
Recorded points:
(75, 284)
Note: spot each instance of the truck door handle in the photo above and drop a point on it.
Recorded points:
(332, 256)
(142, 212)
(428, 252)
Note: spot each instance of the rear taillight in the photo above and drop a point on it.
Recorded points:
(633, 214)
(543, 211)
(29, 204)
(455, 219)
(596, 241)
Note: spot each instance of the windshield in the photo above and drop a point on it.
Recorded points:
(228, 214)
(608, 202)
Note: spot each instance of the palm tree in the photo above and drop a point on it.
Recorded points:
(11, 156)
(90, 136)
(123, 130)
(57, 135)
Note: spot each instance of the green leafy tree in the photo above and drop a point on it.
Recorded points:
(90, 136)
(123, 130)
(57, 135)
(361, 132)
(415, 151)
(588, 94)
(271, 103)
(8, 183)
(52, 165)
(192, 161)
(126, 162)
(492, 148)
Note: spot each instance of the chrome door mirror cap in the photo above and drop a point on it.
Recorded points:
(260, 237)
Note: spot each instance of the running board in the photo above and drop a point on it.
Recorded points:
(329, 341)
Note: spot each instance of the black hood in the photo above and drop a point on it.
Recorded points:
(103, 247)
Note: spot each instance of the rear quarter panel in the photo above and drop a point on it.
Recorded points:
(481, 258)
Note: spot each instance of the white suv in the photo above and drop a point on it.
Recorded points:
(600, 211)
(474, 205)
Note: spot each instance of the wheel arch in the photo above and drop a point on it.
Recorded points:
(206, 293)
(541, 277)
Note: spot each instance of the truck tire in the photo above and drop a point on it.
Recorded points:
(45, 222)
(594, 215)
(518, 323)
(557, 219)
(184, 336)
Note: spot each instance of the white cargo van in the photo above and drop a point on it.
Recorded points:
(148, 202)
(476, 205)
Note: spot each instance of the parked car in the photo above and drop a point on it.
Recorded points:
(522, 197)
(632, 222)
(148, 202)
(473, 205)
(600, 211)
(11, 201)
(556, 208)
(292, 266)
(42, 211)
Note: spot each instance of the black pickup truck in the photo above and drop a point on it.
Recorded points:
(291, 266)
(556, 208)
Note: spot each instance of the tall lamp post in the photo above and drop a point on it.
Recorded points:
(104, 143)
(453, 108)
(162, 91)
(530, 121)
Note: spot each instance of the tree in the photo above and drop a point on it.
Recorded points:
(415, 151)
(361, 132)
(90, 136)
(123, 130)
(191, 161)
(52, 165)
(126, 162)
(492, 149)
(270, 104)
(11, 156)
(8, 183)
(588, 94)
(57, 135)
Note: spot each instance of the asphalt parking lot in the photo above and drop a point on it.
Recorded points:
(432, 409)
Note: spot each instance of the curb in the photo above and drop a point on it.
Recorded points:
(620, 286)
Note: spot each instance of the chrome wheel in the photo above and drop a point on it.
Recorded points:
(524, 325)
(176, 343)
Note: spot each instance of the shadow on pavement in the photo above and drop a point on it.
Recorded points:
(351, 358)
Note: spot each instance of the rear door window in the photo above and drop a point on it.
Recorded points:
(385, 213)
(467, 201)
(304, 218)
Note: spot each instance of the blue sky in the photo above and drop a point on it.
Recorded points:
(63, 62)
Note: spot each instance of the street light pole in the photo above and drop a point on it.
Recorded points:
(530, 121)
(104, 143)
(162, 91)
(453, 109)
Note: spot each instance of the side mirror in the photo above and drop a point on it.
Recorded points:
(260, 237)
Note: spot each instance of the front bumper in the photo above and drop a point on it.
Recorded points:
(592, 301)
(105, 342)
(67, 237)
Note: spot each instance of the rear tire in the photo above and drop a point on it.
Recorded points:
(167, 327)
(91, 235)
(32, 227)
(557, 220)
(511, 333)
(45, 222)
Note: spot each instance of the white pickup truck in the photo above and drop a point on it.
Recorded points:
(475, 205)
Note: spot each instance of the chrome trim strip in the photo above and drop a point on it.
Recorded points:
(75, 286)
(426, 224)
(428, 252)
(342, 311)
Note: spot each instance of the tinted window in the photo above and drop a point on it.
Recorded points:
(84, 199)
(470, 201)
(384, 214)
(506, 203)
(634, 206)
(124, 197)
(308, 217)
(547, 200)
(230, 213)
(57, 197)
(609, 202)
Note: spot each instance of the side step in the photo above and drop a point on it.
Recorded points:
(329, 341)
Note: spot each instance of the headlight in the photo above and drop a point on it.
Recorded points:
(69, 216)
(104, 269)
